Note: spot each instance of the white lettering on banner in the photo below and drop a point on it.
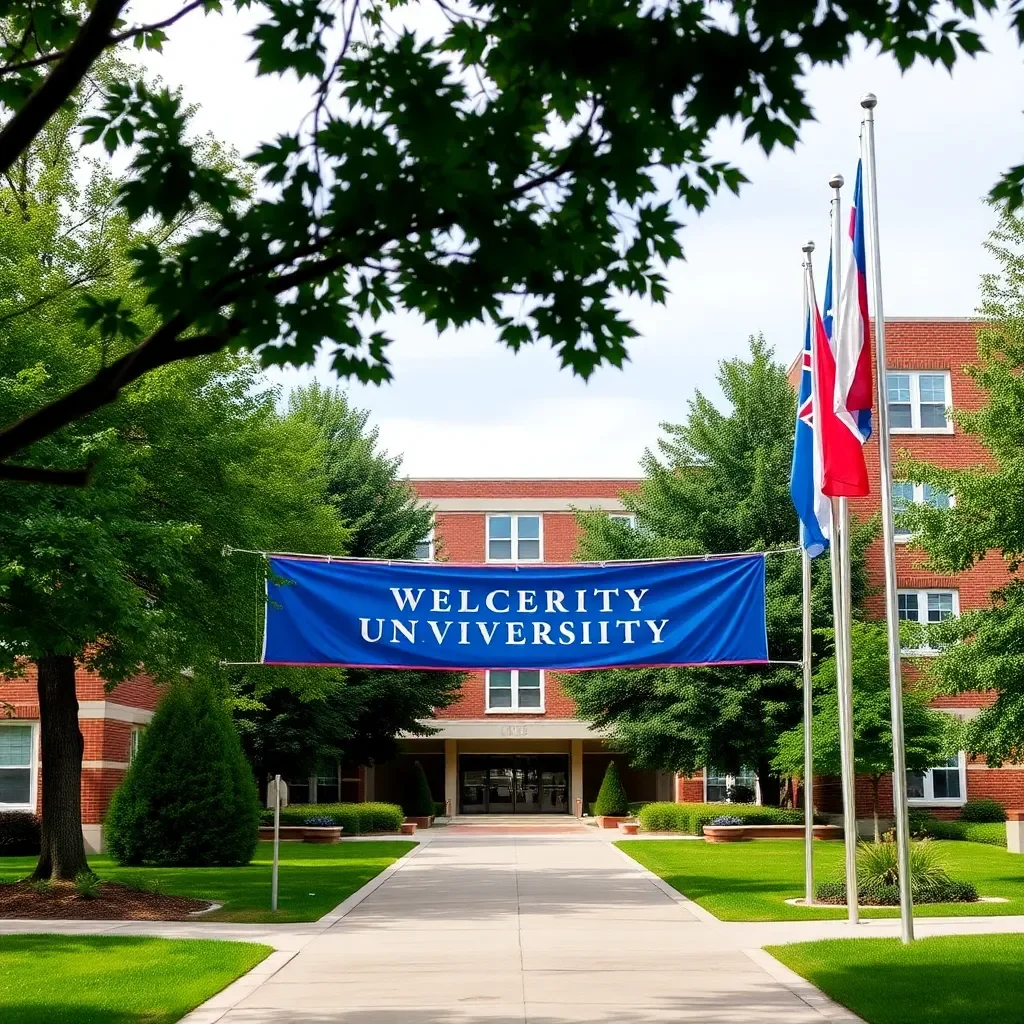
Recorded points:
(519, 634)
(511, 731)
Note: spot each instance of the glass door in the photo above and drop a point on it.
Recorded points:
(527, 786)
(554, 786)
(473, 785)
(501, 787)
(510, 784)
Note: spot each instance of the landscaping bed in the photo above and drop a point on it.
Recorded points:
(742, 833)
(690, 819)
(111, 902)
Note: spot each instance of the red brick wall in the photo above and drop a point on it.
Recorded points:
(539, 488)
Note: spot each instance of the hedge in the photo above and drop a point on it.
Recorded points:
(690, 819)
(19, 834)
(991, 833)
(355, 819)
(984, 810)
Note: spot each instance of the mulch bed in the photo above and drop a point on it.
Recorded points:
(115, 902)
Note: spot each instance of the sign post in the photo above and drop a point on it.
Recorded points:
(277, 842)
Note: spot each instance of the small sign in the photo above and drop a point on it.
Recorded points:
(513, 731)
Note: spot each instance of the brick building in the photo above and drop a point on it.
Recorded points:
(511, 744)
(926, 359)
(111, 723)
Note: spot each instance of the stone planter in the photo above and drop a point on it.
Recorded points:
(610, 820)
(421, 822)
(408, 828)
(321, 834)
(629, 828)
(741, 833)
(1015, 831)
(289, 833)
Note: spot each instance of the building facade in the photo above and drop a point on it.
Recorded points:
(926, 381)
(511, 744)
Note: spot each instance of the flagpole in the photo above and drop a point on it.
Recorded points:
(837, 604)
(805, 566)
(844, 664)
(899, 771)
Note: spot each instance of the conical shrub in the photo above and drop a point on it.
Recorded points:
(418, 802)
(611, 798)
(189, 797)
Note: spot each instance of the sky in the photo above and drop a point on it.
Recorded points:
(463, 405)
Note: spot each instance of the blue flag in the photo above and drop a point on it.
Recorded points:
(442, 616)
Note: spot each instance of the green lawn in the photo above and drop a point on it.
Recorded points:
(77, 979)
(313, 880)
(750, 881)
(970, 979)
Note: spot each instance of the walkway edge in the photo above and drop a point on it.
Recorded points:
(801, 987)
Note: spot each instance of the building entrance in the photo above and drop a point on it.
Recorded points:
(514, 784)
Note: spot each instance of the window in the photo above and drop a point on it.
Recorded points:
(740, 788)
(17, 777)
(327, 785)
(927, 608)
(918, 401)
(135, 739)
(513, 539)
(946, 783)
(425, 548)
(624, 517)
(515, 690)
(905, 494)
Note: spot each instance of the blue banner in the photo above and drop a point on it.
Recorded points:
(435, 615)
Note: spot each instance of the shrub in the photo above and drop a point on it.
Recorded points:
(87, 885)
(878, 878)
(355, 819)
(727, 819)
(419, 801)
(322, 821)
(991, 833)
(611, 797)
(439, 808)
(983, 811)
(189, 797)
(19, 834)
(690, 819)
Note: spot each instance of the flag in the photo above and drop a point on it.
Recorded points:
(843, 472)
(812, 507)
(852, 338)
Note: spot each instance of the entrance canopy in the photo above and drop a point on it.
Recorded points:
(414, 615)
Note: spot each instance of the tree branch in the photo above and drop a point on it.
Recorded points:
(92, 39)
(113, 40)
(53, 477)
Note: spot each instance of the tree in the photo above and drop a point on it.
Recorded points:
(293, 721)
(418, 802)
(189, 797)
(190, 459)
(611, 797)
(983, 649)
(720, 483)
(929, 735)
(516, 164)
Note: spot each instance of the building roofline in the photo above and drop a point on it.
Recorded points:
(524, 479)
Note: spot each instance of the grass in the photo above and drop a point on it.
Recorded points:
(970, 979)
(751, 881)
(77, 979)
(313, 880)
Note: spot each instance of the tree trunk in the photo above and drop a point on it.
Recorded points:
(874, 805)
(62, 855)
(770, 785)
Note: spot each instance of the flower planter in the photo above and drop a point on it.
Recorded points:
(741, 833)
(629, 828)
(421, 822)
(610, 820)
(408, 828)
(321, 834)
(291, 833)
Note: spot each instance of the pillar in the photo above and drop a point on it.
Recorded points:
(576, 780)
(451, 776)
(1015, 831)
(368, 784)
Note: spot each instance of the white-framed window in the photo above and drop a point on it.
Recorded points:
(515, 538)
(918, 401)
(624, 517)
(17, 766)
(945, 784)
(515, 690)
(425, 548)
(905, 494)
(740, 788)
(927, 608)
(134, 739)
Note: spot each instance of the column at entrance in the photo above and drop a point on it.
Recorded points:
(576, 785)
(451, 776)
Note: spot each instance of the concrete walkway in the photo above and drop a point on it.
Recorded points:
(508, 930)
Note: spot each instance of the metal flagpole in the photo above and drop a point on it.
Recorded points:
(899, 771)
(805, 565)
(844, 663)
(833, 559)
(277, 842)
